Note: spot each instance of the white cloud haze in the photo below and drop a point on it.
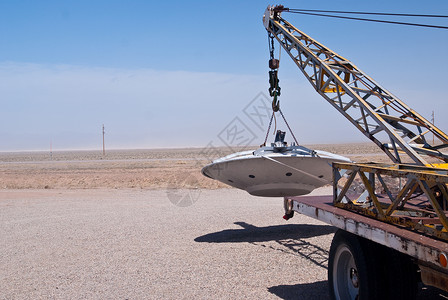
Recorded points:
(143, 108)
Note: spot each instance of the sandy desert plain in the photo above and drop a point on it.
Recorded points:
(146, 169)
(145, 224)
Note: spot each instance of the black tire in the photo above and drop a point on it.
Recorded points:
(400, 275)
(363, 270)
(351, 276)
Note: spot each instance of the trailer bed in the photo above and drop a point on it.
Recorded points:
(427, 251)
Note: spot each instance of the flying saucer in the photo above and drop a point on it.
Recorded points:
(275, 171)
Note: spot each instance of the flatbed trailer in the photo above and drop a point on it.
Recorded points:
(371, 257)
(423, 250)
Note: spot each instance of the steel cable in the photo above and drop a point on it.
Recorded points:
(366, 13)
(368, 20)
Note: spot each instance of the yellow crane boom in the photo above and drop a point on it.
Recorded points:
(366, 104)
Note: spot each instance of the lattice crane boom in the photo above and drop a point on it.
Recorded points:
(366, 104)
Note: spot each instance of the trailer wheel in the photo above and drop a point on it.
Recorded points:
(350, 274)
(399, 275)
(359, 269)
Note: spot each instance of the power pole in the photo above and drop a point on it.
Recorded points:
(104, 147)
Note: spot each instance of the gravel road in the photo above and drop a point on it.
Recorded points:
(136, 244)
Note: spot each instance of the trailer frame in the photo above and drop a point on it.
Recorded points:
(428, 253)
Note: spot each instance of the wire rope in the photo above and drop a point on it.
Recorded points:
(366, 13)
(369, 20)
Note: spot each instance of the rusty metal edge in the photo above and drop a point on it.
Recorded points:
(434, 278)
(422, 248)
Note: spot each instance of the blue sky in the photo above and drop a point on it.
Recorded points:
(178, 73)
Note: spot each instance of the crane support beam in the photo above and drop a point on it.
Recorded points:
(357, 96)
(395, 206)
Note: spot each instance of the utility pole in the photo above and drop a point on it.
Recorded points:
(104, 148)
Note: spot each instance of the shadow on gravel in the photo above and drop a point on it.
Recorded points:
(431, 293)
(289, 238)
(316, 290)
(253, 234)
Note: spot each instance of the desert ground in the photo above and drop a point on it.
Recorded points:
(145, 224)
(145, 169)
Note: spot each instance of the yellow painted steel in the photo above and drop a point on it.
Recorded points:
(332, 89)
(431, 220)
(365, 103)
(439, 166)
